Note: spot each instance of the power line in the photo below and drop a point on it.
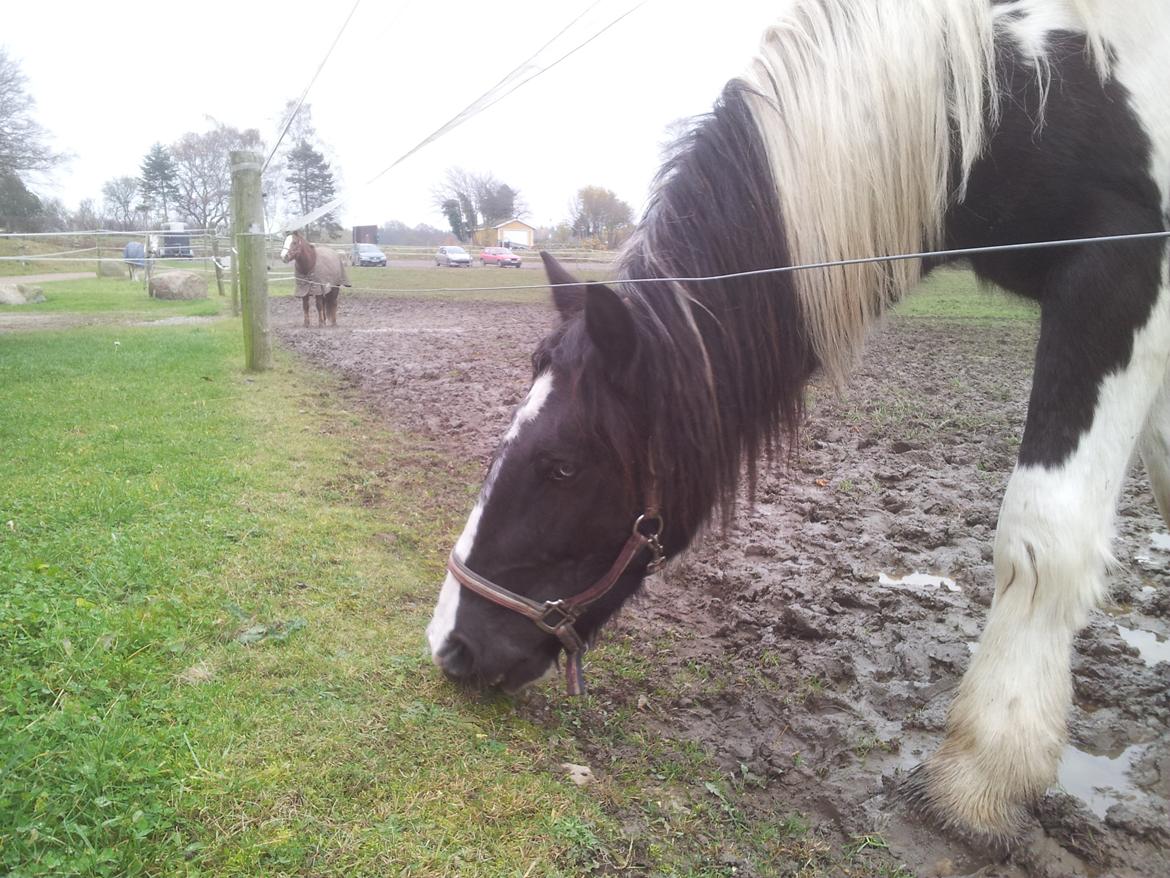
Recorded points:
(488, 99)
(305, 93)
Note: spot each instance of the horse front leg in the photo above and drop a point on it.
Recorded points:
(320, 310)
(1091, 395)
(305, 308)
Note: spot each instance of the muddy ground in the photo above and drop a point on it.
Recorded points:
(798, 651)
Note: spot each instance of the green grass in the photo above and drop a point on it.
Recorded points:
(211, 652)
(211, 647)
(36, 246)
(118, 297)
(954, 295)
(457, 279)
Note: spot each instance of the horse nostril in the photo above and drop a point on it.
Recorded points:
(455, 658)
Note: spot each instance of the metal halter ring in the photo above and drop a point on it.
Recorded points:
(647, 517)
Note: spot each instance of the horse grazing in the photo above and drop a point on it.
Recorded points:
(320, 274)
(864, 127)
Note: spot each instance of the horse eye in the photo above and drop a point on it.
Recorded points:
(563, 471)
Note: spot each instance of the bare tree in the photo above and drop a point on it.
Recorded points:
(203, 174)
(23, 145)
(471, 201)
(121, 198)
(86, 216)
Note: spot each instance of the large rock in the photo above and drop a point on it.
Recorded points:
(20, 294)
(178, 284)
(110, 268)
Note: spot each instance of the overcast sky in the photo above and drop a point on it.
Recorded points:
(110, 80)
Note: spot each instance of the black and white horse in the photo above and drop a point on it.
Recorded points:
(864, 127)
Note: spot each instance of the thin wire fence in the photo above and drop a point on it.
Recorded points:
(955, 253)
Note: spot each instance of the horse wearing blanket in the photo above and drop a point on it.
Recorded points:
(320, 274)
(864, 127)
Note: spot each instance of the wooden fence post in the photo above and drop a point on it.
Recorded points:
(248, 225)
(215, 261)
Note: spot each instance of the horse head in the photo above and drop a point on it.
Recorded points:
(568, 520)
(295, 247)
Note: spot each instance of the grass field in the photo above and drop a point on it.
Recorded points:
(211, 653)
(954, 295)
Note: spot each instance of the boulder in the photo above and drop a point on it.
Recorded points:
(178, 284)
(20, 294)
(110, 268)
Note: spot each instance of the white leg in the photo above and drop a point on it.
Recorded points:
(1155, 450)
(1006, 727)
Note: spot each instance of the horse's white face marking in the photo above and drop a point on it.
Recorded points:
(443, 619)
(288, 239)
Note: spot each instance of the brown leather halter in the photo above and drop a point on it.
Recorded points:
(557, 617)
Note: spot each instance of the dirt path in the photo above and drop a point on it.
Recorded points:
(799, 651)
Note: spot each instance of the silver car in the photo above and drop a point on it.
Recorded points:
(453, 257)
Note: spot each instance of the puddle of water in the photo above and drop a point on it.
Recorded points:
(1152, 647)
(1159, 544)
(926, 581)
(1099, 780)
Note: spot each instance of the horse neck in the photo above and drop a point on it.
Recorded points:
(306, 259)
(733, 354)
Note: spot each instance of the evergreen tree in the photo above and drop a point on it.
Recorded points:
(159, 181)
(454, 215)
(311, 184)
(20, 210)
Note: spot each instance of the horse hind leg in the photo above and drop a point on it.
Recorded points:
(320, 300)
(331, 305)
(1006, 729)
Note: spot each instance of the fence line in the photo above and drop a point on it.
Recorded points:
(114, 233)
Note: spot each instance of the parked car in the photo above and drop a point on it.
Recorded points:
(368, 254)
(453, 257)
(500, 256)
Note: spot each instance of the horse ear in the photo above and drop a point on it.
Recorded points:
(570, 301)
(610, 326)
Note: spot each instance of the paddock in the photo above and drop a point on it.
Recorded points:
(812, 650)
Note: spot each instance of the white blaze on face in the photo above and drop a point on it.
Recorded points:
(443, 619)
(288, 239)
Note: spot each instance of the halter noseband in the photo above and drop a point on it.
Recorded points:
(558, 617)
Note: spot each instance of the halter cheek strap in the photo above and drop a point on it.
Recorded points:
(558, 617)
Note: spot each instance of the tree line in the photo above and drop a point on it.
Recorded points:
(190, 181)
(186, 181)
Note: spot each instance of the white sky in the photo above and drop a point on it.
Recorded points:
(110, 81)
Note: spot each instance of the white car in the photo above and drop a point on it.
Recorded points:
(453, 257)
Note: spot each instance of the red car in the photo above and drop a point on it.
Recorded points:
(500, 256)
